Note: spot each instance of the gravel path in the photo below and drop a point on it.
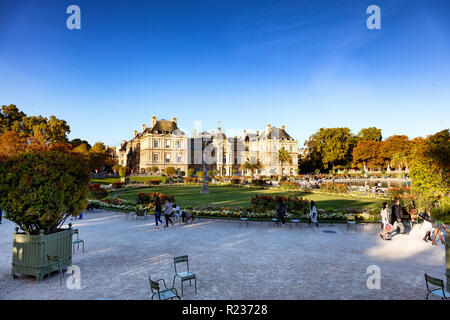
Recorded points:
(233, 261)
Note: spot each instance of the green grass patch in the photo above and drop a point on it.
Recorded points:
(229, 196)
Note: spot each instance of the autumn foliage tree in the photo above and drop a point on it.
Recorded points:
(367, 153)
(397, 144)
(52, 130)
(430, 173)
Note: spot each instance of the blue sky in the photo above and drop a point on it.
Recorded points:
(303, 64)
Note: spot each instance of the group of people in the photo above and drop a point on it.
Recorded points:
(281, 213)
(397, 217)
(169, 209)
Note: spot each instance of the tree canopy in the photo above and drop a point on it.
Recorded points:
(53, 130)
(40, 190)
(334, 146)
(430, 172)
(370, 134)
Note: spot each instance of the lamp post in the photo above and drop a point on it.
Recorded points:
(205, 189)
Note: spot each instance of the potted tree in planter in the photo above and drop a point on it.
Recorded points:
(38, 192)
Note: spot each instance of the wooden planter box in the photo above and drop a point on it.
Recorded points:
(447, 258)
(30, 252)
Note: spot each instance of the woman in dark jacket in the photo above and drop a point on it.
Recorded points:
(158, 211)
(281, 211)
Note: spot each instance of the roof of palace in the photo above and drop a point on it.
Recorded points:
(163, 127)
(275, 133)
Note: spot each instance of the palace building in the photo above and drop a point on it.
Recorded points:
(164, 145)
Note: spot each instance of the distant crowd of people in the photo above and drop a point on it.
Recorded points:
(169, 208)
(397, 218)
(281, 213)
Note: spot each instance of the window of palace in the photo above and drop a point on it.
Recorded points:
(155, 143)
(167, 144)
(155, 157)
(179, 158)
(167, 157)
(179, 144)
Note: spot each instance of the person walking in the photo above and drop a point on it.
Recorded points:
(386, 223)
(313, 214)
(428, 225)
(437, 225)
(396, 216)
(158, 212)
(281, 212)
(168, 210)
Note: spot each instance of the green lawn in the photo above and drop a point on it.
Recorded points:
(137, 179)
(230, 196)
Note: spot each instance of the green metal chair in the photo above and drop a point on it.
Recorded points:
(351, 220)
(243, 219)
(77, 241)
(276, 222)
(439, 291)
(55, 265)
(184, 275)
(166, 293)
(294, 221)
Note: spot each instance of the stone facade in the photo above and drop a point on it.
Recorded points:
(164, 145)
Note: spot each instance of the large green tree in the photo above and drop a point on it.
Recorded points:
(334, 146)
(40, 190)
(370, 134)
(53, 130)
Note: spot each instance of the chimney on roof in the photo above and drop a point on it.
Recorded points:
(283, 127)
(144, 126)
(124, 141)
(268, 126)
(244, 133)
(153, 121)
(174, 120)
(195, 133)
(135, 133)
(257, 133)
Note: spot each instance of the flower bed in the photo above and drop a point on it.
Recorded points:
(334, 187)
(263, 203)
(363, 215)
